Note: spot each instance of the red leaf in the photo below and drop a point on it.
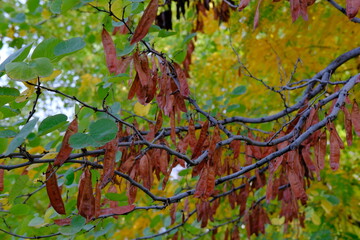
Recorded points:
(206, 184)
(298, 7)
(355, 117)
(201, 140)
(65, 149)
(145, 22)
(141, 64)
(352, 8)
(63, 221)
(348, 125)
(235, 235)
(112, 62)
(243, 4)
(295, 177)
(145, 171)
(120, 29)
(269, 188)
(109, 162)
(334, 147)
(97, 199)
(320, 150)
(159, 121)
(184, 87)
(257, 15)
(53, 190)
(1, 180)
(86, 199)
(134, 87)
(116, 210)
(173, 213)
(172, 125)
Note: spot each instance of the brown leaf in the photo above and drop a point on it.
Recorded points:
(109, 162)
(173, 213)
(1, 180)
(112, 62)
(86, 199)
(173, 127)
(97, 199)
(121, 210)
(120, 30)
(141, 64)
(65, 149)
(159, 121)
(145, 22)
(243, 4)
(184, 87)
(235, 235)
(269, 188)
(320, 150)
(295, 177)
(355, 117)
(201, 140)
(257, 14)
(135, 86)
(334, 149)
(53, 190)
(348, 125)
(145, 171)
(305, 152)
(352, 8)
(62, 221)
(206, 184)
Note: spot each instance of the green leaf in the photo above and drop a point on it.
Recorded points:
(52, 123)
(236, 107)
(42, 67)
(3, 144)
(179, 56)
(36, 222)
(78, 222)
(7, 134)
(239, 90)
(20, 209)
(18, 187)
(69, 46)
(157, 219)
(7, 95)
(20, 71)
(68, 4)
(7, 112)
(69, 230)
(55, 6)
(82, 140)
(116, 197)
(127, 49)
(46, 49)
(32, 5)
(163, 33)
(20, 137)
(69, 177)
(17, 56)
(103, 130)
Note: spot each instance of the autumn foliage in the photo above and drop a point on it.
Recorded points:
(208, 171)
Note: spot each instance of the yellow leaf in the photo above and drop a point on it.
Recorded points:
(25, 95)
(278, 221)
(326, 205)
(38, 149)
(50, 155)
(52, 76)
(141, 110)
(315, 218)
